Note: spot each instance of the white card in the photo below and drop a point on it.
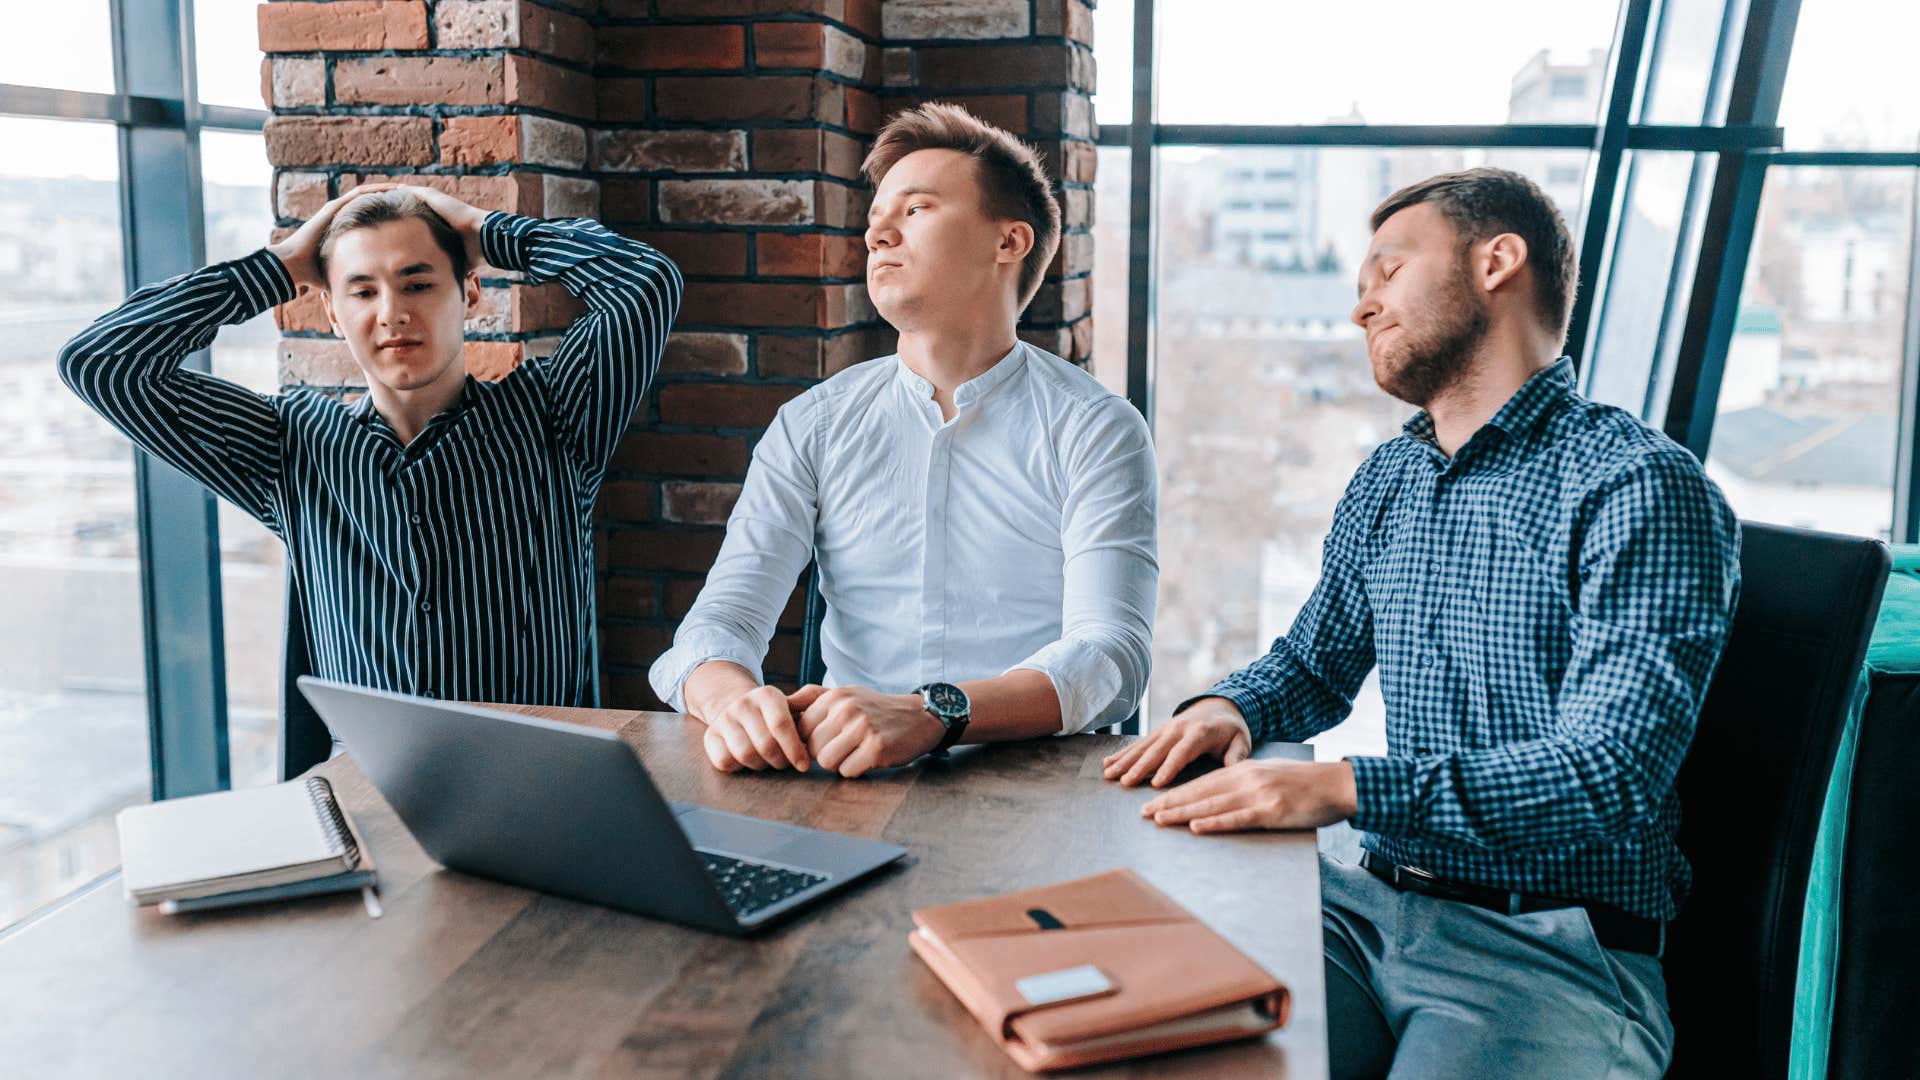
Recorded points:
(1067, 984)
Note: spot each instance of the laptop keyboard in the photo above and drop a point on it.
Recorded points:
(750, 886)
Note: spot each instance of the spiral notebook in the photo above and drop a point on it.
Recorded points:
(262, 843)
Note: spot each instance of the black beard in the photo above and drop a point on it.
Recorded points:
(1437, 359)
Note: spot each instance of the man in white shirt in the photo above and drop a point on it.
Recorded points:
(982, 511)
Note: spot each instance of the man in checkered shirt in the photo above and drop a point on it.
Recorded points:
(1546, 584)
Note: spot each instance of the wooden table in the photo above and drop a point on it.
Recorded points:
(466, 977)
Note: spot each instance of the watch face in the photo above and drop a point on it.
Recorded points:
(946, 700)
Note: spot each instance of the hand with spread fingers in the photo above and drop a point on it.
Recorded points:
(1259, 795)
(1210, 727)
(851, 729)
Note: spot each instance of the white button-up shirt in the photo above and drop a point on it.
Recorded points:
(1019, 534)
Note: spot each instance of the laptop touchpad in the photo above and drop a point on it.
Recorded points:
(733, 834)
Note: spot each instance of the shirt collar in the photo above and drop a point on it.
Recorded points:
(973, 389)
(362, 410)
(1517, 418)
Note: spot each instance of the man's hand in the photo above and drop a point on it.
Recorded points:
(298, 252)
(1212, 726)
(1259, 795)
(851, 729)
(755, 730)
(465, 219)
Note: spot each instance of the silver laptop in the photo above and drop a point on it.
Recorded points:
(569, 810)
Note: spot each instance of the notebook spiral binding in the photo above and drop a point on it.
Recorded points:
(331, 819)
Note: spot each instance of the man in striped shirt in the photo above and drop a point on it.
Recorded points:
(439, 529)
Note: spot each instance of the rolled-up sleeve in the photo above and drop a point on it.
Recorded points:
(769, 541)
(1109, 537)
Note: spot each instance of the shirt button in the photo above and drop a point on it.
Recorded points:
(426, 605)
(415, 519)
(428, 694)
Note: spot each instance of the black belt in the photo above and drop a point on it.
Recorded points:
(1614, 928)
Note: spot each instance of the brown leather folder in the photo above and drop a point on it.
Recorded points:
(1169, 981)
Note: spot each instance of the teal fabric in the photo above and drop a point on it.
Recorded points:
(1895, 648)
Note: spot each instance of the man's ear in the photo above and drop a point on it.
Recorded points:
(326, 301)
(1501, 259)
(472, 285)
(1016, 242)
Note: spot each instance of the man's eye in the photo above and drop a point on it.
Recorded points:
(362, 294)
(912, 208)
(420, 286)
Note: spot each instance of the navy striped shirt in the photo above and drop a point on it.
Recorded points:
(458, 565)
(1547, 608)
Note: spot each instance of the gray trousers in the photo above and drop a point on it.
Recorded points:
(1423, 987)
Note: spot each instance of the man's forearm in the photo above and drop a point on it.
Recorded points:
(1021, 704)
(712, 685)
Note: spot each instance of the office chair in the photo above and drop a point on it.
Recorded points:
(1751, 791)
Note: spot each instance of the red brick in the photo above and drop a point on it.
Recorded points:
(491, 361)
(750, 304)
(630, 597)
(670, 151)
(344, 26)
(864, 16)
(1041, 64)
(784, 150)
(628, 500)
(622, 99)
(516, 193)
(698, 503)
(419, 80)
(681, 455)
(681, 594)
(544, 307)
(784, 356)
(705, 354)
(789, 45)
(735, 405)
(554, 33)
(298, 194)
(571, 196)
(810, 255)
(350, 140)
(655, 549)
(479, 140)
(542, 85)
(622, 199)
(864, 111)
(318, 362)
(1007, 111)
(636, 644)
(701, 254)
(671, 48)
(476, 24)
(297, 82)
(767, 97)
(303, 313)
(737, 202)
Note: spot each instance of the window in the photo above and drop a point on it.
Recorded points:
(73, 716)
(1852, 83)
(1805, 429)
(61, 46)
(235, 180)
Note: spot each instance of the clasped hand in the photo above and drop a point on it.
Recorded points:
(848, 730)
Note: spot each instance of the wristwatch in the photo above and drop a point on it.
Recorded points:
(948, 704)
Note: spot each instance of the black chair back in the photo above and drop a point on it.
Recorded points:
(1751, 792)
(304, 738)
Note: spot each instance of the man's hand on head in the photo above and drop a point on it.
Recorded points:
(299, 252)
(851, 729)
(1259, 795)
(465, 218)
(1210, 727)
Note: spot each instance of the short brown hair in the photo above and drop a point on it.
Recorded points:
(1012, 178)
(1484, 202)
(380, 207)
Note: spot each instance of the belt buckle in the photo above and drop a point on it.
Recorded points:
(1418, 879)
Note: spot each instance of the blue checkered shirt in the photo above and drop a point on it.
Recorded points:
(1546, 608)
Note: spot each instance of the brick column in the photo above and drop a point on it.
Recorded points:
(728, 133)
(485, 99)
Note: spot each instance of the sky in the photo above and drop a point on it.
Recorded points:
(1221, 62)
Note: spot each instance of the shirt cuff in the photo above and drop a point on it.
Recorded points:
(262, 281)
(691, 649)
(1383, 794)
(1085, 680)
(506, 240)
(1248, 703)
